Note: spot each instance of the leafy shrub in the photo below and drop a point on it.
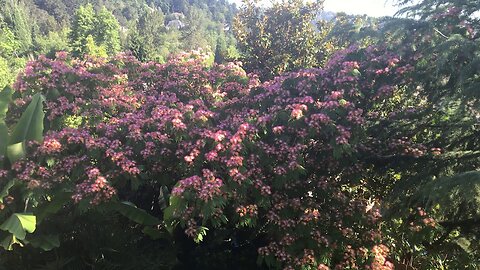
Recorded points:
(300, 167)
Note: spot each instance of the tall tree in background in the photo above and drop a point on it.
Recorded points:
(199, 31)
(102, 28)
(221, 50)
(15, 40)
(136, 44)
(151, 26)
(16, 16)
(8, 48)
(149, 39)
(108, 31)
(280, 38)
(83, 25)
(8, 42)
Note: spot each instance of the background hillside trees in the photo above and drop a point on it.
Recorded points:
(41, 26)
(90, 28)
(279, 38)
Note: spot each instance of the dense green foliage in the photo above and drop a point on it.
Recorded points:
(152, 30)
(279, 38)
(101, 29)
(348, 143)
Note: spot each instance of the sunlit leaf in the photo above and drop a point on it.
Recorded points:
(19, 224)
(16, 151)
(30, 125)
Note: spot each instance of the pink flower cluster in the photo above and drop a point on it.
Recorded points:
(206, 187)
(283, 152)
(95, 185)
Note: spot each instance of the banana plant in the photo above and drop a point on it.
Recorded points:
(12, 148)
(5, 99)
(28, 128)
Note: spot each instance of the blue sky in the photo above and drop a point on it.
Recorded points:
(369, 7)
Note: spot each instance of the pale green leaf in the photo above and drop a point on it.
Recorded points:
(30, 125)
(19, 224)
(16, 151)
(5, 99)
(202, 232)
